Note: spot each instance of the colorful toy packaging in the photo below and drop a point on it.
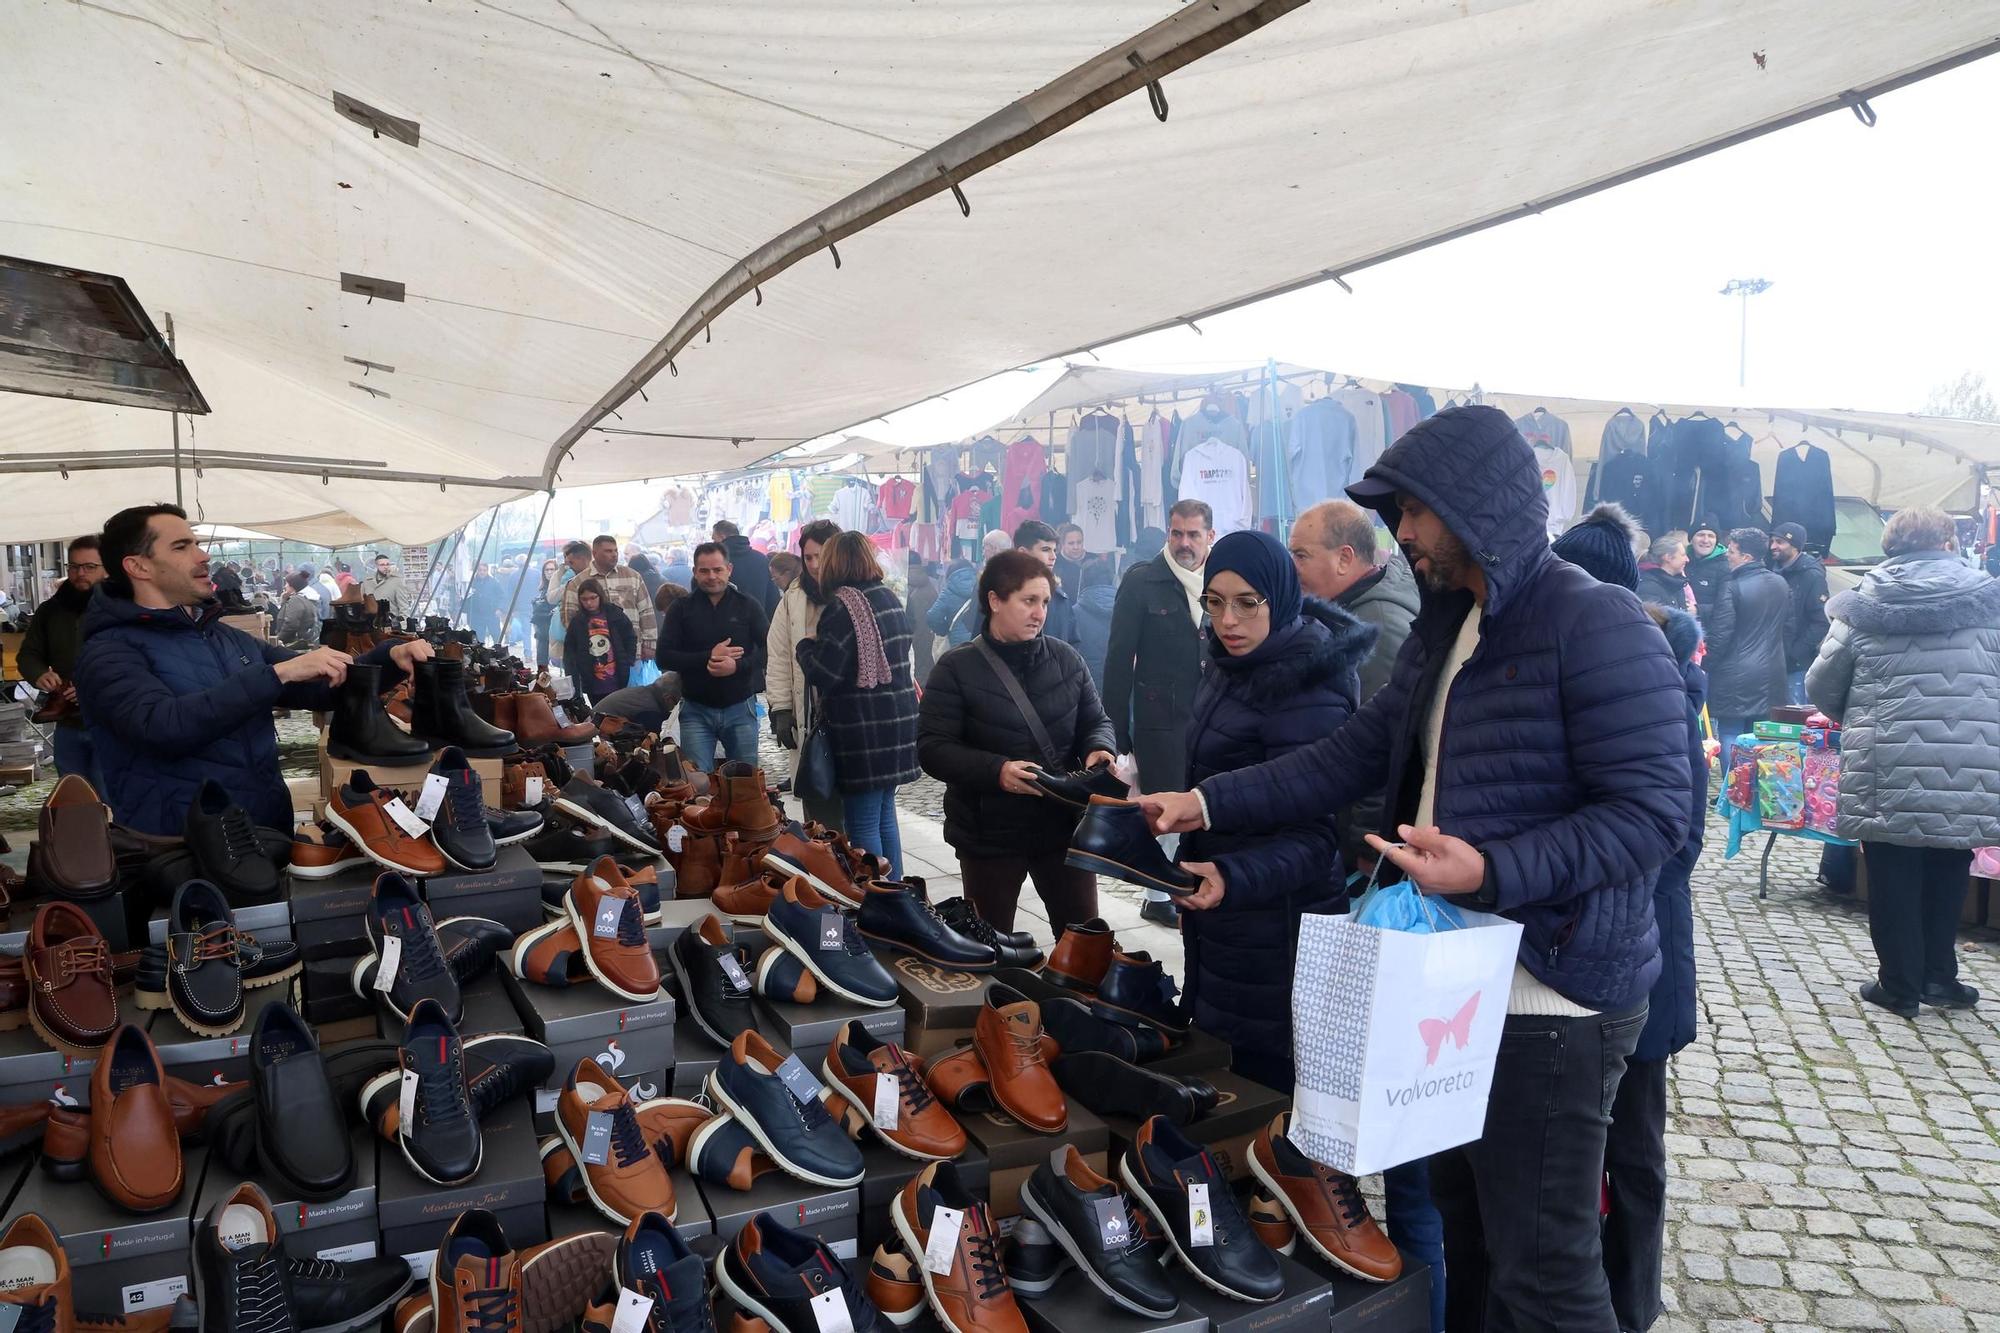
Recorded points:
(1781, 784)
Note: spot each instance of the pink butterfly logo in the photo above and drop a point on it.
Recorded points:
(1458, 1027)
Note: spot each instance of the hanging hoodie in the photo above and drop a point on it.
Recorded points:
(1219, 474)
(1558, 485)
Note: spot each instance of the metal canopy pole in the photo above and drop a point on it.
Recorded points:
(492, 522)
(450, 546)
(527, 560)
(177, 421)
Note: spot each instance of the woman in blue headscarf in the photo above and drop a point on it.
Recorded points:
(1281, 673)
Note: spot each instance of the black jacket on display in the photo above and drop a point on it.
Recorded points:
(1802, 493)
(1805, 577)
(692, 627)
(1746, 632)
(1745, 480)
(1150, 673)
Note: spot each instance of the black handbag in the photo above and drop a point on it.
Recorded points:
(813, 775)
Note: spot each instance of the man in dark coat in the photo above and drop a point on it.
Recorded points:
(1747, 628)
(173, 696)
(1707, 566)
(750, 568)
(1533, 744)
(47, 659)
(1805, 579)
(1153, 662)
(716, 638)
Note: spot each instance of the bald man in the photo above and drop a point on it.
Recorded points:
(1333, 545)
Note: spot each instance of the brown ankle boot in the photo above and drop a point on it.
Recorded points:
(698, 864)
(737, 802)
(505, 710)
(536, 723)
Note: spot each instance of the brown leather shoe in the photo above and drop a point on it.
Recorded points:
(739, 803)
(21, 1126)
(611, 922)
(550, 955)
(191, 1102)
(698, 863)
(960, 1080)
(973, 1297)
(326, 855)
(71, 1000)
(514, 784)
(506, 710)
(536, 723)
(1273, 1227)
(359, 809)
(413, 1314)
(135, 1153)
(1324, 1204)
(857, 1067)
(894, 1287)
(561, 1276)
(1082, 956)
(628, 1179)
(745, 894)
(476, 1278)
(818, 863)
(1008, 1036)
(73, 846)
(34, 1277)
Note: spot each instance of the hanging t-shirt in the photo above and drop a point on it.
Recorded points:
(1371, 429)
(781, 497)
(1055, 498)
(1321, 453)
(895, 496)
(1153, 452)
(1558, 485)
(1021, 482)
(1096, 500)
(1219, 474)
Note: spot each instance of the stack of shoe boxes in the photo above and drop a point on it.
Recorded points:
(832, 1213)
(633, 1041)
(338, 1229)
(808, 1030)
(121, 1263)
(941, 1002)
(414, 1212)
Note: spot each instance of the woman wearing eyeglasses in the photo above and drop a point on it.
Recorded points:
(1280, 674)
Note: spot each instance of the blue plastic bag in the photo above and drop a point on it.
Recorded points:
(645, 673)
(1402, 906)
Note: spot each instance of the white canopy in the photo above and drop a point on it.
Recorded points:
(570, 192)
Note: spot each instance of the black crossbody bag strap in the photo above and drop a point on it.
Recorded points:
(1050, 756)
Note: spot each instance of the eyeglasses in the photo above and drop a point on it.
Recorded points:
(1246, 606)
(85, 567)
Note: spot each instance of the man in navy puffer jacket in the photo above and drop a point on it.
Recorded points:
(1532, 743)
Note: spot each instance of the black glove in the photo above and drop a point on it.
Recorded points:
(784, 728)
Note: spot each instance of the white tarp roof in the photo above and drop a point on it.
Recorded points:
(586, 170)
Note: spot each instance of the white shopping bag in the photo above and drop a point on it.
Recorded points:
(1395, 1035)
(1126, 769)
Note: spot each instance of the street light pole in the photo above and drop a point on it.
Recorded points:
(1744, 288)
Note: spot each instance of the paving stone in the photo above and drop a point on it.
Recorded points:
(1824, 1279)
(1756, 1272)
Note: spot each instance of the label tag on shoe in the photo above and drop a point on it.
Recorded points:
(531, 790)
(633, 1310)
(799, 1079)
(597, 1139)
(888, 1102)
(432, 796)
(392, 958)
(406, 1109)
(405, 819)
(637, 809)
(831, 937)
(676, 836)
(1114, 1229)
(605, 925)
(1201, 1222)
(830, 1312)
(732, 969)
(942, 1247)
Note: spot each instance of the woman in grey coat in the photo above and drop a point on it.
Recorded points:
(1911, 671)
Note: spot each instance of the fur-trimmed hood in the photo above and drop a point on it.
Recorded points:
(1923, 592)
(1327, 647)
(1683, 631)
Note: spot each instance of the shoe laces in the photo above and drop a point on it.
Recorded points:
(239, 834)
(215, 943)
(812, 1114)
(958, 914)
(632, 923)
(313, 1270)
(850, 936)
(260, 1293)
(468, 806)
(983, 1254)
(627, 1140)
(1346, 1195)
(491, 1310)
(441, 1093)
(915, 1093)
(421, 956)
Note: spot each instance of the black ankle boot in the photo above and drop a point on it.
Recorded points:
(362, 733)
(441, 713)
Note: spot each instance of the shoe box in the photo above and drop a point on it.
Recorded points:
(414, 1212)
(112, 915)
(333, 773)
(1199, 1053)
(339, 1229)
(328, 987)
(120, 1263)
(267, 921)
(1306, 1304)
(832, 1213)
(1402, 1306)
(634, 1042)
(1075, 1305)
(510, 893)
(808, 1030)
(326, 913)
(695, 1057)
(1243, 1107)
(888, 1171)
(200, 1059)
(691, 1217)
(31, 1071)
(1013, 1151)
(582, 757)
(941, 1002)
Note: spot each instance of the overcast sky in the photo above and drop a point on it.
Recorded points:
(1879, 243)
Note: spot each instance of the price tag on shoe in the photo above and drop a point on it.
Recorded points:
(392, 958)
(830, 1312)
(831, 937)
(531, 791)
(406, 1108)
(597, 1139)
(738, 980)
(1201, 1222)
(888, 1102)
(405, 819)
(676, 836)
(942, 1247)
(605, 925)
(799, 1079)
(637, 809)
(1114, 1229)
(633, 1310)
(432, 796)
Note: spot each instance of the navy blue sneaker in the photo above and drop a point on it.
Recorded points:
(1207, 1230)
(654, 1261)
(782, 1105)
(774, 1273)
(828, 942)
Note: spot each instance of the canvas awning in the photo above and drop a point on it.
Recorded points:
(441, 239)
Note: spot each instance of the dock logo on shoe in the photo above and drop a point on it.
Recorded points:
(1457, 1028)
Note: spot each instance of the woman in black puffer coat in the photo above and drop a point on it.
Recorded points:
(973, 738)
(1281, 673)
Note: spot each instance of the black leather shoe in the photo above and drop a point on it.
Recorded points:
(239, 1268)
(896, 915)
(1033, 1260)
(469, 944)
(459, 828)
(714, 980)
(1114, 839)
(301, 1129)
(1951, 995)
(1136, 989)
(604, 809)
(1159, 1168)
(440, 1137)
(441, 713)
(569, 850)
(1079, 785)
(361, 732)
(204, 974)
(1011, 948)
(1109, 1085)
(329, 1297)
(223, 840)
(511, 826)
(395, 912)
(1873, 992)
(1067, 1017)
(499, 1067)
(1099, 1227)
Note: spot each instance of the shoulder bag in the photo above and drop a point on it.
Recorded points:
(813, 777)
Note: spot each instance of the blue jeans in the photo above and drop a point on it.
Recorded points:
(870, 817)
(703, 728)
(75, 754)
(1415, 1226)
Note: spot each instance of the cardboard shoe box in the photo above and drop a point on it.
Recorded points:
(30, 1071)
(695, 1057)
(112, 915)
(414, 1213)
(267, 921)
(1402, 1306)
(120, 1263)
(1305, 1306)
(941, 1003)
(832, 1213)
(510, 893)
(1013, 1151)
(334, 772)
(1075, 1305)
(1242, 1110)
(808, 1030)
(635, 1042)
(326, 913)
(340, 1229)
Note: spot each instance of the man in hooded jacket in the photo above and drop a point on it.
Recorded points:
(1532, 740)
